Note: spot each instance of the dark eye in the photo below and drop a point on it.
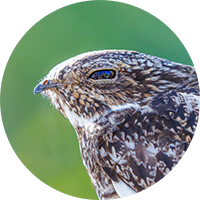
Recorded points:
(102, 74)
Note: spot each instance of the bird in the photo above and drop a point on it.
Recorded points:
(134, 115)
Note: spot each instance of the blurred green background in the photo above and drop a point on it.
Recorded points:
(42, 139)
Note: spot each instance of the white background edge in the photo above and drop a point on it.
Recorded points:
(17, 17)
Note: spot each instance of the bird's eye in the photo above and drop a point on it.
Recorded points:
(45, 82)
(103, 74)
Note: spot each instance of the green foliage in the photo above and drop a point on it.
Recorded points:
(43, 140)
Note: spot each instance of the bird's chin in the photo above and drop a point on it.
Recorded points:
(72, 117)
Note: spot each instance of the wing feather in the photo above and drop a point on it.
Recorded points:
(139, 148)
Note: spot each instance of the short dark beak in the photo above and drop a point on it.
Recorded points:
(39, 88)
(44, 86)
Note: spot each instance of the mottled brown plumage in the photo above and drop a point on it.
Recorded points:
(134, 115)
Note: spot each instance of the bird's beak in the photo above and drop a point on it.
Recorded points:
(44, 85)
(39, 88)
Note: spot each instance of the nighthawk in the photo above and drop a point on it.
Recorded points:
(134, 115)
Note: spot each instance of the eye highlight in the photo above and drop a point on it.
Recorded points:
(103, 74)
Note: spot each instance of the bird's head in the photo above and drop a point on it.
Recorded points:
(85, 86)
